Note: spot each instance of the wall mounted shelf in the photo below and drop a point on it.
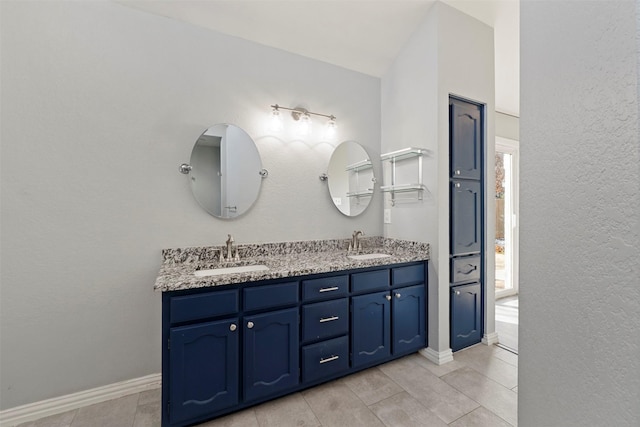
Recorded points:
(359, 166)
(400, 155)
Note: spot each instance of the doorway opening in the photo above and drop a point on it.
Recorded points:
(506, 245)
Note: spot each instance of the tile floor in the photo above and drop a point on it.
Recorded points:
(479, 388)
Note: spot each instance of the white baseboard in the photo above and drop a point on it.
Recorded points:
(57, 405)
(437, 357)
(490, 339)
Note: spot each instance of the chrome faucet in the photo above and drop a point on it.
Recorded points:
(355, 241)
(230, 256)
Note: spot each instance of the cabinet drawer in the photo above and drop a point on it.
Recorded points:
(202, 306)
(268, 296)
(370, 281)
(325, 287)
(411, 274)
(465, 269)
(325, 358)
(325, 319)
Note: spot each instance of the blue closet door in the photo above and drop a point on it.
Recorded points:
(466, 217)
(465, 127)
(465, 314)
(370, 329)
(271, 361)
(204, 369)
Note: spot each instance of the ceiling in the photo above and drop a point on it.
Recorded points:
(361, 35)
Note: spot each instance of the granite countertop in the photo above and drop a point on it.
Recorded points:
(286, 259)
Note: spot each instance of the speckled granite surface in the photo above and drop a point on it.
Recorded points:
(286, 259)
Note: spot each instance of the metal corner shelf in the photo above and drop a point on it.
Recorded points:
(361, 165)
(365, 193)
(399, 155)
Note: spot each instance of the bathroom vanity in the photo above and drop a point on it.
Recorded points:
(313, 312)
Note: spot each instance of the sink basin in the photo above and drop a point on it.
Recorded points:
(230, 270)
(367, 256)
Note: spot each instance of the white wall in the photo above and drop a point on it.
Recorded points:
(507, 126)
(451, 53)
(100, 104)
(579, 345)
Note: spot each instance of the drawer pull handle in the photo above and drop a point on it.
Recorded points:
(470, 268)
(329, 359)
(232, 327)
(328, 319)
(333, 288)
(250, 325)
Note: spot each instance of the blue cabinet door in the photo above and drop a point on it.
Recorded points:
(465, 136)
(271, 361)
(465, 316)
(466, 217)
(370, 329)
(203, 373)
(408, 319)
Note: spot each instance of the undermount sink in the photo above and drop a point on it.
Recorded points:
(367, 256)
(231, 270)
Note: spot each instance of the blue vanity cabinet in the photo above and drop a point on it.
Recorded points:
(204, 369)
(371, 328)
(231, 347)
(465, 316)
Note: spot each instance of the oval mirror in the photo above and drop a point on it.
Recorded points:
(351, 179)
(225, 171)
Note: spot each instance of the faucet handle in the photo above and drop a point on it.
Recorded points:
(229, 238)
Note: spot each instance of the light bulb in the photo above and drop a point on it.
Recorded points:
(275, 123)
(304, 124)
(331, 128)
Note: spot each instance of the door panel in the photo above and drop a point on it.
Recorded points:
(370, 334)
(465, 316)
(466, 217)
(408, 319)
(203, 369)
(465, 129)
(271, 361)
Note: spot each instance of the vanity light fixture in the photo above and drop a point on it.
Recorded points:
(303, 118)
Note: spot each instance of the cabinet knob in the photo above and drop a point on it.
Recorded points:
(233, 327)
(457, 292)
(250, 325)
(457, 185)
(388, 297)
(398, 295)
(457, 171)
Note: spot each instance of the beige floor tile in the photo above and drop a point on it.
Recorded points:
(437, 370)
(335, 405)
(59, 420)
(481, 417)
(493, 396)
(148, 415)
(287, 411)
(436, 395)
(487, 363)
(403, 410)
(244, 418)
(112, 413)
(149, 396)
(507, 356)
(372, 385)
